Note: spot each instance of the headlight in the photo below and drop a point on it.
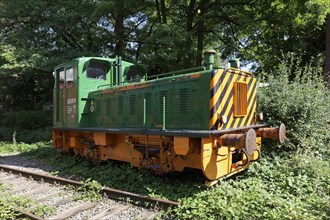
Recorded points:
(223, 119)
(260, 116)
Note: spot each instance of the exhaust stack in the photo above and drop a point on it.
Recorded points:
(209, 59)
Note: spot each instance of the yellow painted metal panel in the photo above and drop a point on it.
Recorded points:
(213, 166)
(181, 145)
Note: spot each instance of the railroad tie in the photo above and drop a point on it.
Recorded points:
(74, 210)
(111, 212)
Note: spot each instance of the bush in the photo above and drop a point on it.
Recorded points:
(302, 104)
(26, 126)
(28, 120)
(274, 188)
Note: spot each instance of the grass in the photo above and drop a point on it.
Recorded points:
(281, 186)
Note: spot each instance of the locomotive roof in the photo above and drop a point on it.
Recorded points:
(89, 58)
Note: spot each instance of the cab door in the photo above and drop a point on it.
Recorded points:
(58, 96)
(71, 95)
(65, 97)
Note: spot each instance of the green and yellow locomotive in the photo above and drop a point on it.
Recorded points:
(203, 118)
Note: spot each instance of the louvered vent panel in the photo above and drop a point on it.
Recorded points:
(98, 106)
(132, 104)
(120, 105)
(108, 106)
(184, 97)
(240, 99)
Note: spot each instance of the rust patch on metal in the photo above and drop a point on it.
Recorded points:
(275, 133)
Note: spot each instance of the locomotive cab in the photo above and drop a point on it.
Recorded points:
(74, 80)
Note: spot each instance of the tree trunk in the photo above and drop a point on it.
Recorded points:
(163, 9)
(119, 32)
(200, 35)
(189, 42)
(158, 11)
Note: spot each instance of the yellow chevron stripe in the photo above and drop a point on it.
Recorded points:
(224, 100)
(252, 115)
(213, 83)
(215, 97)
(229, 98)
(241, 71)
(230, 117)
(223, 83)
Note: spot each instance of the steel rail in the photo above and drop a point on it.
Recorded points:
(109, 192)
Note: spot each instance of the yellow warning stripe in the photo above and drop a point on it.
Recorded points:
(215, 81)
(222, 98)
(229, 103)
(226, 84)
(213, 106)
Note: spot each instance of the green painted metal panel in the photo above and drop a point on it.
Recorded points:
(186, 106)
(100, 102)
(86, 80)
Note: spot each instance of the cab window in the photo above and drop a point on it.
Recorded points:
(97, 69)
(61, 78)
(69, 77)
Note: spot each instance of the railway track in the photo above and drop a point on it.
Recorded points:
(49, 191)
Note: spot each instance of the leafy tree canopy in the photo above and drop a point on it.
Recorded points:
(37, 35)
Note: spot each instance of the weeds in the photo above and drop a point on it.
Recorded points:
(275, 188)
(10, 204)
(280, 186)
(91, 191)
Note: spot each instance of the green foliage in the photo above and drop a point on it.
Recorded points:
(167, 35)
(43, 210)
(277, 188)
(10, 205)
(6, 209)
(283, 186)
(24, 148)
(297, 27)
(26, 126)
(26, 119)
(24, 84)
(162, 56)
(302, 103)
(28, 136)
(91, 190)
(319, 7)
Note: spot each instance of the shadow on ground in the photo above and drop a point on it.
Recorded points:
(111, 174)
